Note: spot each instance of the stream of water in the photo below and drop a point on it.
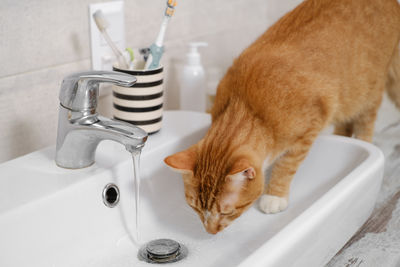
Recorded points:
(136, 178)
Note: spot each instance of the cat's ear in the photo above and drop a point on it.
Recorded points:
(183, 161)
(241, 170)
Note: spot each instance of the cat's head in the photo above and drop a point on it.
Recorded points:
(218, 189)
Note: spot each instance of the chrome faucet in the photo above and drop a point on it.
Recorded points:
(80, 128)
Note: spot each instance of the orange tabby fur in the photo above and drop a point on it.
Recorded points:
(324, 62)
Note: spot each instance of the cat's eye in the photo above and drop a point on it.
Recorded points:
(228, 213)
(195, 208)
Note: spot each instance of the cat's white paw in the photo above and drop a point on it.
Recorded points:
(272, 204)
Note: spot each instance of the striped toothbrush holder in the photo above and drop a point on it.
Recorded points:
(142, 103)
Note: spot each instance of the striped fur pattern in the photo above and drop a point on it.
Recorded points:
(326, 62)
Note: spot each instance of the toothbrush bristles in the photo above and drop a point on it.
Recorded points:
(171, 3)
(169, 11)
(100, 20)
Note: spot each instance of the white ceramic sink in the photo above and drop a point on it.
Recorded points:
(51, 216)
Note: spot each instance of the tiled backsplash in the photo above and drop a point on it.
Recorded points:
(43, 41)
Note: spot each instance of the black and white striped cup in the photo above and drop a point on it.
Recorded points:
(142, 103)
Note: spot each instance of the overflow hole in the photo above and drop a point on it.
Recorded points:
(111, 195)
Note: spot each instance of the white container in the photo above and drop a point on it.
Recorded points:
(193, 85)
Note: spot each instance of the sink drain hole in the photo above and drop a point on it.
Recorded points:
(162, 251)
(110, 195)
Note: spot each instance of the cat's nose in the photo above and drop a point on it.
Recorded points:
(212, 230)
(215, 228)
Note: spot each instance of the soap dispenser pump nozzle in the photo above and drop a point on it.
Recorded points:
(193, 56)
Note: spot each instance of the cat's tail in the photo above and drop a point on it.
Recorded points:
(393, 79)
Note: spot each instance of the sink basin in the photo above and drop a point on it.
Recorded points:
(51, 216)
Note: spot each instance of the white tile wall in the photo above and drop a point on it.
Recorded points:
(43, 41)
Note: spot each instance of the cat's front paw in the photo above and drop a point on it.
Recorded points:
(272, 204)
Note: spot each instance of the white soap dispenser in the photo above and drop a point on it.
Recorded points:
(193, 85)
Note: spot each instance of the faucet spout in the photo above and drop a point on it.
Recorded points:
(78, 137)
(132, 137)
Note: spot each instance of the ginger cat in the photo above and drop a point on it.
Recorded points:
(324, 62)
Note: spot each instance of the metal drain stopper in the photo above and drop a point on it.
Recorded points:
(162, 248)
(162, 251)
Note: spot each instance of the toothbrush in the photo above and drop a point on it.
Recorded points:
(102, 25)
(157, 49)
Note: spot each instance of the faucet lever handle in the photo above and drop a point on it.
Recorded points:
(80, 91)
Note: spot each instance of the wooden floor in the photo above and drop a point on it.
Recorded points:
(377, 243)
